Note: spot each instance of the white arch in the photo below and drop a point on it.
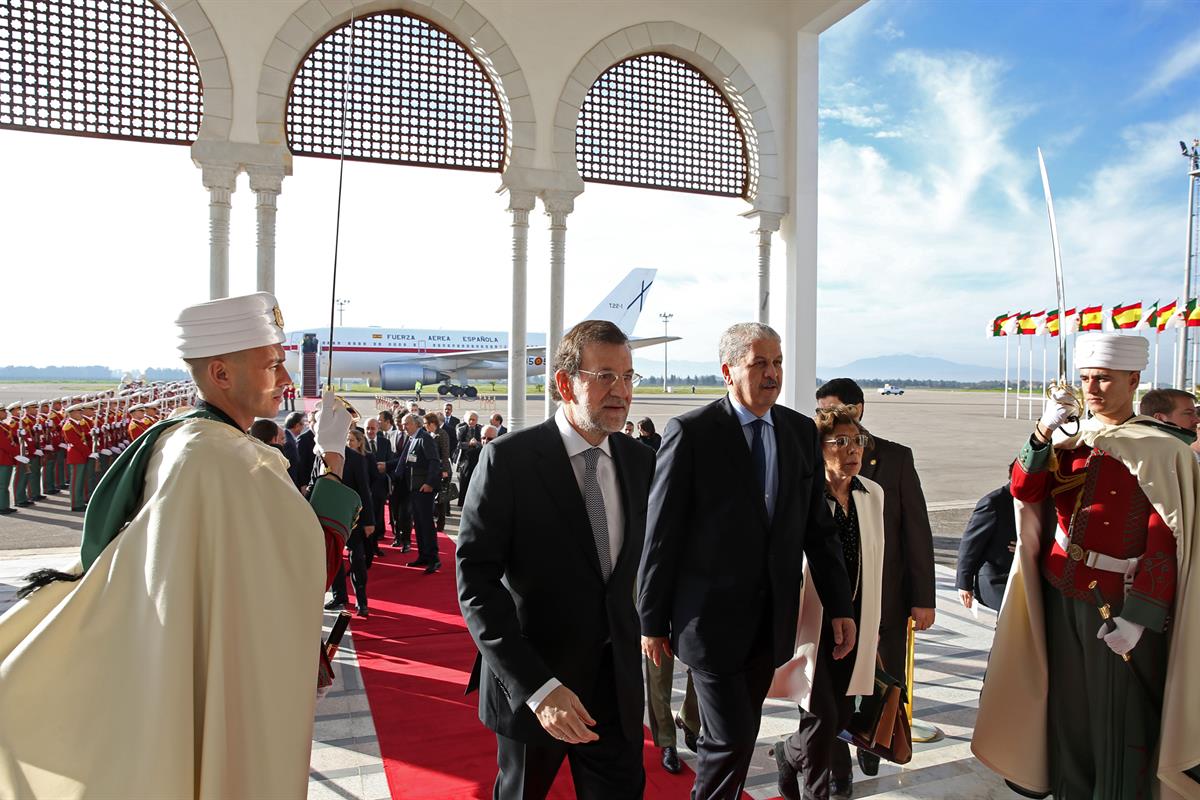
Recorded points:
(312, 21)
(193, 22)
(698, 50)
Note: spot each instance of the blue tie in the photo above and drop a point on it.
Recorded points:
(758, 455)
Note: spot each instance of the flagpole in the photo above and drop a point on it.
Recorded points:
(1006, 338)
(1154, 383)
(1031, 379)
(1044, 336)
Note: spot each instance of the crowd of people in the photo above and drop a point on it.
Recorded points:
(773, 553)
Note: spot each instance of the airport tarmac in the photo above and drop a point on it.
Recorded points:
(961, 444)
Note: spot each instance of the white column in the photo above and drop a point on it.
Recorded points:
(520, 203)
(558, 205)
(800, 233)
(768, 223)
(221, 182)
(266, 183)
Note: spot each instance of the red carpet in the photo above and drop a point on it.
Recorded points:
(415, 656)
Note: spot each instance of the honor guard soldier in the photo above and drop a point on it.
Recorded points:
(1091, 687)
(80, 457)
(10, 450)
(30, 437)
(138, 422)
(49, 448)
(57, 418)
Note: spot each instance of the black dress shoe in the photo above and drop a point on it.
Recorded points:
(787, 782)
(432, 568)
(8, 511)
(670, 760)
(334, 605)
(841, 789)
(362, 611)
(689, 738)
(868, 761)
(420, 562)
(395, 543)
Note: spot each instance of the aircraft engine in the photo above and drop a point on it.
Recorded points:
(404, 377)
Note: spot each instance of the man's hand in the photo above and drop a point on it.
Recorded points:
(1124, 638)
(844, 636)
(368, 529)
(966, 596)
(657, 649)
(1057, 412)
(923, 618)
(331, 425)
(564, 717)
(381, 467)
(334, 462)
(425, 487)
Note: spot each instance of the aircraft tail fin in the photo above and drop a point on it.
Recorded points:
(624, 304)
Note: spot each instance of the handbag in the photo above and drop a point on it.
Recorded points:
(879, 723)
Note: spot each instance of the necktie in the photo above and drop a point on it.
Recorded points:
(371, 446)
(593, 498)
(758, 455)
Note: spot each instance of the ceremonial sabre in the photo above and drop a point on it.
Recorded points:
(1063, 381)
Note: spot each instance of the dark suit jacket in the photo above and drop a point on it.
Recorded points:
(305, 444)
(530, 585)
(382, 455)
(356, 477)
(717, 575)
(468, 456)
(450, 426)
(291, 449)
(427, 468)
(983, 557)
(908, 579)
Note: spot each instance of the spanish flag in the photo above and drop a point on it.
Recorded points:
(1164, 315)
(1053, 322)
(1029, 322)
(1125, 317)
(1092, 318)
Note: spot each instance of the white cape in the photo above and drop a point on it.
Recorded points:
(184, 663)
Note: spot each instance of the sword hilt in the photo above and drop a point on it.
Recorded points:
(1105, 611)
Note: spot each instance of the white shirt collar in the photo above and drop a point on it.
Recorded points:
(572, 440)
(746, 416)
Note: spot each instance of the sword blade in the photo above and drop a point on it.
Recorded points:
(1058, 274)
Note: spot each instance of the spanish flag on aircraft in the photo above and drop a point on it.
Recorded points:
(1125, 317)
(1092, 318)
(1165, 313)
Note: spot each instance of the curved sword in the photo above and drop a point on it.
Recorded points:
(1063, 379)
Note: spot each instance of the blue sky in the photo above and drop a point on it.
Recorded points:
(931, 212)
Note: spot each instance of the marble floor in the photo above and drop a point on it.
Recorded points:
(950, 660)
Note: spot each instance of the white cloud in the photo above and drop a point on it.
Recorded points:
(889, 31)
(1182, 62)
(854, 116)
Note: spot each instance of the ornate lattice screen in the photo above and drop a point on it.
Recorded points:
(414, 95)
(658, 122)
(108, 68)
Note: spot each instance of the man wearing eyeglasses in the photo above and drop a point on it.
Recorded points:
(551, 532)
(908, 574)
(738, 503)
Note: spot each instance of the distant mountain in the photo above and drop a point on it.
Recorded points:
(651, 366)
(908, 367)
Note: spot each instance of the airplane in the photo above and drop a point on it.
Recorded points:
(395, 359)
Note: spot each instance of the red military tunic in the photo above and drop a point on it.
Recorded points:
(27, 435)
(139, 426)
(9, 447)
(54, 424)
(79, 443)
(1103, 510)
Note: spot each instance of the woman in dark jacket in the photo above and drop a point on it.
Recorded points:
(646, 434)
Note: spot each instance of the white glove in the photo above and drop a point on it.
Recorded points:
(331, 425)
(1059, 408)
(106, 452)
(1124, 638)
(37, 453)
(63, 446)
(94, 455)
(22, 459)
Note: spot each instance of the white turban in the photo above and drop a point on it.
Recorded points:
(1100, 350)
(229, 325)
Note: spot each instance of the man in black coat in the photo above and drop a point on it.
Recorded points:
(908, 588)
(450, 424)
(419, 468)
(305, 444)
(985, 552)
(738, 502)
(547, 556)
(356, 476)
(400, 500)
(379, 453)
(293, 427)
(468, 441)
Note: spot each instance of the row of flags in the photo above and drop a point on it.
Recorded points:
(1157, 317)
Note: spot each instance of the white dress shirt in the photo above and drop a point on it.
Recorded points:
(606, 476)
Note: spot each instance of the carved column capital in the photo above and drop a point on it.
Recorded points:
(264, 178)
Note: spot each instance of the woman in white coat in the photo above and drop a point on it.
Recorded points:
(825, 687)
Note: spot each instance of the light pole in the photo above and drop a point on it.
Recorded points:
(1193, 157)
(666, 318)
(341, 307)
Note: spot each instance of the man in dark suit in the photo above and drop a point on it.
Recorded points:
(985, 552)
(305, 444)
(419, 468)
(379, 452)
(356, 476)
(450, 424)
(547, 556)
(738, 502)
(293, 426)
(469, 440)
(497, 421)
(908, 575)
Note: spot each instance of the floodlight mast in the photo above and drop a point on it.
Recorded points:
(666, 318)
(1193, 157)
